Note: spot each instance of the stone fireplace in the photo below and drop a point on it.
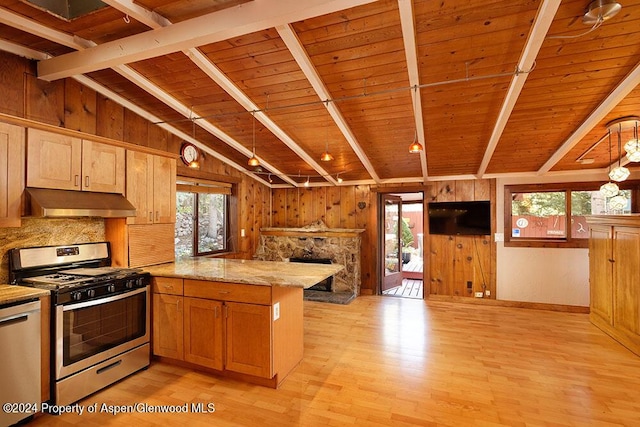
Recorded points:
(315, 242)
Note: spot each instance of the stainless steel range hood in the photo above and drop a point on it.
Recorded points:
(47, 203)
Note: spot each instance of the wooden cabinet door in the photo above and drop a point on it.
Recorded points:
(601, 272)
(53, 160)
(203, 331)
(12, 152)
(140, 186)
(103, 167)
(168, 326)
(164, 190)
(248, 339)
(626, 291)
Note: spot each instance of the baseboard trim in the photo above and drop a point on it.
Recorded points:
(516, 304)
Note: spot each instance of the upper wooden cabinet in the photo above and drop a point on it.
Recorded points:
(12, 152)
(67, 163)
(151, 188)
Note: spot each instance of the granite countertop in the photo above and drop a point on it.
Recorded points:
(10, 294)
(266, 273)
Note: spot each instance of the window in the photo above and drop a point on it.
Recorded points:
(555, 215)
(202, 219)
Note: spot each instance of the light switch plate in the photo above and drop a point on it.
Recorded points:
(276, 311)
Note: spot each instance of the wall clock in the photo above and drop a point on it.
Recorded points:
(189, 153)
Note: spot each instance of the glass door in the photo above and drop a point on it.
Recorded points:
(392, 256)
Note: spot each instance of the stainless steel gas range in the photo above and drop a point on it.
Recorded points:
(100, 315)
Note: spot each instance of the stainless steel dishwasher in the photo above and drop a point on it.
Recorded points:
(19, 361)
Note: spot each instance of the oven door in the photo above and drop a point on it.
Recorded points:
(92, 331)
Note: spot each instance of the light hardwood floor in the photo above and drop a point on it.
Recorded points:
(382, 361)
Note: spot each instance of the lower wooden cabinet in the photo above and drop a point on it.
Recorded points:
(248, 334)
(207, 324)
(614, 254)
(203, 332)
(168, 325)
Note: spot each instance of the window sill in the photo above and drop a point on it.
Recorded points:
(582, 243)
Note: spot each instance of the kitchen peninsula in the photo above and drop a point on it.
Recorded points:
(238, 318)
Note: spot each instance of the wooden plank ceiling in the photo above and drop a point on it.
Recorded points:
(490, 88)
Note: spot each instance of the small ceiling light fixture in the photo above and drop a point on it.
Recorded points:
(619, 173)
(253, 161)
(415, 146)
(600, 11)
(338, 178)
(306, 183)
(326, 156)
(609, 189)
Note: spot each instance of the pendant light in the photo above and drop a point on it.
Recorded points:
(619, 173)
(617, 203)
(415, 146)
(326, 156)
(609, 189)
(253, 161)
(632, 147)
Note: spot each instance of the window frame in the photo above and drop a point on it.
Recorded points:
(197, 186)
(196, 227)
(568, 187)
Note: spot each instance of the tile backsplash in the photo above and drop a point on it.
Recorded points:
(46, 232)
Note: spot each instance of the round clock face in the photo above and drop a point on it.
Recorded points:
(189, 153)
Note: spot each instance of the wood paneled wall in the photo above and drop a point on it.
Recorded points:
(68, 104)
(462, 265)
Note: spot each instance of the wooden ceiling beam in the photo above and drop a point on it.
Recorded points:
(29, 26)
(232, 22)
(407, 22)
(32, 27)
(293, 43)
(25, 52)
(628, 84)
(155, 20)
(542, 23)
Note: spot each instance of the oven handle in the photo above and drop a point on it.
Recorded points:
(103, 300)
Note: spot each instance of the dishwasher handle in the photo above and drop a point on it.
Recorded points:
(12, 320)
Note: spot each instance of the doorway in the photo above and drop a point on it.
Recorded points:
(401, 243)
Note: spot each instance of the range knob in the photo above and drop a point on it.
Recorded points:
(91, 293)
(76, 296)
(111, 287)
(130, 284)
(140, 282)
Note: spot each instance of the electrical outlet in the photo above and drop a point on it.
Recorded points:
(479, 294)
(276, 311)
(242, 233)
(487, 293)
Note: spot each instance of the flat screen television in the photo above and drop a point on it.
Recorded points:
(460, 218)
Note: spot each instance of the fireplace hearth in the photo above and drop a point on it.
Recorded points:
(325, 285)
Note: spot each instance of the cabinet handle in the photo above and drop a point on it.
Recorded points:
(157, 215)
(150, 216)
(178, 304)
(168, 286)
(612, 260)
(215, 312)
(224, 292)
(86, 181)
(226, 311)
(76, 180)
